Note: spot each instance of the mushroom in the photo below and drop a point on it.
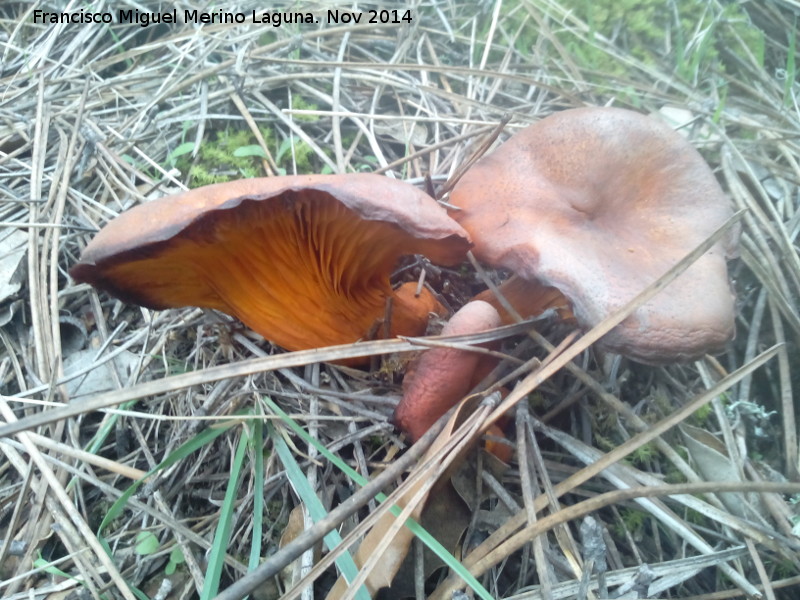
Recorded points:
(598, 203)
(303, 260)
(440, 377)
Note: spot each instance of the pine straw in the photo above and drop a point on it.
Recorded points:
(88, 118)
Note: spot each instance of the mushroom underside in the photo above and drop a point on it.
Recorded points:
(303, 270)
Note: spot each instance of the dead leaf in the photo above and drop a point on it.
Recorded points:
(403, 131)
(290, 575)
(100, 378)
(465, 484)
(446, 517)
(12, 268)
(711, 458)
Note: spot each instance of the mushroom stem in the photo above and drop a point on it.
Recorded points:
(440, 377)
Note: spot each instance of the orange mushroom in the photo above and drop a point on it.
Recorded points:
(303, 260)
(440, 377)
(598, 203)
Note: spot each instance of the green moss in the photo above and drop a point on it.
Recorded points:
(300, 103)
(672, 473)
(234, 153)
(785, 568)
(217, 160)
(701, 415)
(295, 154)
(696, 518)
(691, 37)
(632, 520)
(538, 403)
(603, 443)
(267, 38)
(642, 455)
(632, 22)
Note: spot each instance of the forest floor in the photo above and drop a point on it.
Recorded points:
(164, 454)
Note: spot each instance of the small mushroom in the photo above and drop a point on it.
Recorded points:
(598, 203)
(440, 377)
(303, 260)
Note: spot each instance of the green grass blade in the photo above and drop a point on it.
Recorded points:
(303, 489)
(426, 538)
(257, 445)
(219, 547)
(791, 67)
(201, 439)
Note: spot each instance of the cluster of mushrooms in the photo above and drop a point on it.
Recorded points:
(585, 208)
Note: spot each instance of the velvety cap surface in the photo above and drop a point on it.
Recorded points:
(598, 203)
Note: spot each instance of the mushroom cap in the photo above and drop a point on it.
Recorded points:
(303, 260)
(599, 203)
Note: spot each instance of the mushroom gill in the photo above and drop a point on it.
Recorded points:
(305, 261)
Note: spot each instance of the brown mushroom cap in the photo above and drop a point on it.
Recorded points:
(599, 203)
(303, 260)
